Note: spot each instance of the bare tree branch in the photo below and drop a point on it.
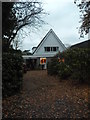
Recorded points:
(84, 6)
(23, 14)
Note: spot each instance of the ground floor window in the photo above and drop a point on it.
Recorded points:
(42, 60)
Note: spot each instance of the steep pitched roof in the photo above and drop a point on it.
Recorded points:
(50, 31)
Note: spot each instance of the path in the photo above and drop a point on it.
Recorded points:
(45, 96)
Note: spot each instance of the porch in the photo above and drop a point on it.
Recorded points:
(35, 62)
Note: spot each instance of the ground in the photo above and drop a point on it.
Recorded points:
(46, 96)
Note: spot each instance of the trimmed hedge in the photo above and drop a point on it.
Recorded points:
(11, 73)
(76, 65)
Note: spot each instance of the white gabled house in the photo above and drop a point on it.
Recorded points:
(47, 48)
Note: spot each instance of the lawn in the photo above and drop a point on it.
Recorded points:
(46, 96)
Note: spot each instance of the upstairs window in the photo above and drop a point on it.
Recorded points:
(51, 49)
(57, 48)
(47, 49)
(54, 48)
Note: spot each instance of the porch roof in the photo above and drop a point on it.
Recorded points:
(28, 56)
(36, 56)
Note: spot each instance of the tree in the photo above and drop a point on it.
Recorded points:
(17, 42)
(16, 15)
(84, 6)
(8, 21)
(26, 52)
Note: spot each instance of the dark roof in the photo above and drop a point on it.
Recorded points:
(85, 44)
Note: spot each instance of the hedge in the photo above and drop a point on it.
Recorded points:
(11, 73)
(52, 66)
(76, 64)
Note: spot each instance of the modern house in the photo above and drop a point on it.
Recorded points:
(47, 48)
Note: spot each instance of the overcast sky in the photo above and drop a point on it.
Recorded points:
(63, 18)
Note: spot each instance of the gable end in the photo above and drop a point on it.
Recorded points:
(46, 36)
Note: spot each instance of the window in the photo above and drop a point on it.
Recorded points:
(57, 48)
(42, 60)
(47, 49)
(51, 49)
(54, 48)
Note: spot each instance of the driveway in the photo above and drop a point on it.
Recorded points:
(46, 96)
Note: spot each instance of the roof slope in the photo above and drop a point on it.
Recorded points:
(50, 31)
(85, 44)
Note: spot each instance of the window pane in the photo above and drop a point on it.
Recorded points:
(45, 48)
(51, 48)
(54, 48)
(57, 48)
(48, 48)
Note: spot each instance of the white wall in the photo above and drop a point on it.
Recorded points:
(51, 41)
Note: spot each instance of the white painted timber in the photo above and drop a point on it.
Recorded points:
(50, 40)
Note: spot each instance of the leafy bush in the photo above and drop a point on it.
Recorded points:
(64, 71)
(79, 61)
(58, 68)
(53, 66)
(76, 65)
(11, 73)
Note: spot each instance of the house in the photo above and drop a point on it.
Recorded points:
(47, 48)
(85, 44)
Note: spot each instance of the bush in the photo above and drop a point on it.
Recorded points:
(81, 66)
(76, 65)
(78, 59)
(53, 66)
(64, 71)
(11, 73)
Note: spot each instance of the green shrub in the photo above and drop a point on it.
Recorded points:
(81, 66)
(53, 66)
(64, 71)
(76, 65)
(11, 73)
(79, 62)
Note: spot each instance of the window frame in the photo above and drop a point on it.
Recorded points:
(51, 49)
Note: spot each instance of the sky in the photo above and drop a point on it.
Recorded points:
(63, 18)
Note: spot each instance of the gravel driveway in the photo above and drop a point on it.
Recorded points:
(46, 96)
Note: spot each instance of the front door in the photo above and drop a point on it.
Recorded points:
(43, 63)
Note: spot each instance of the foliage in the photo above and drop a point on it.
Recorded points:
(84, 7)
(58, 68)
(11, 73)
(76, 65)
(8, 23)
(64, 71)
(53, 66)
(81, 65)
(26, 52)
(19, 15)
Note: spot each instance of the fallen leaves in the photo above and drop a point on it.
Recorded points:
(47, 98)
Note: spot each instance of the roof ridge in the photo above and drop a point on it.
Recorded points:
(51, 30)
(42, 40)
